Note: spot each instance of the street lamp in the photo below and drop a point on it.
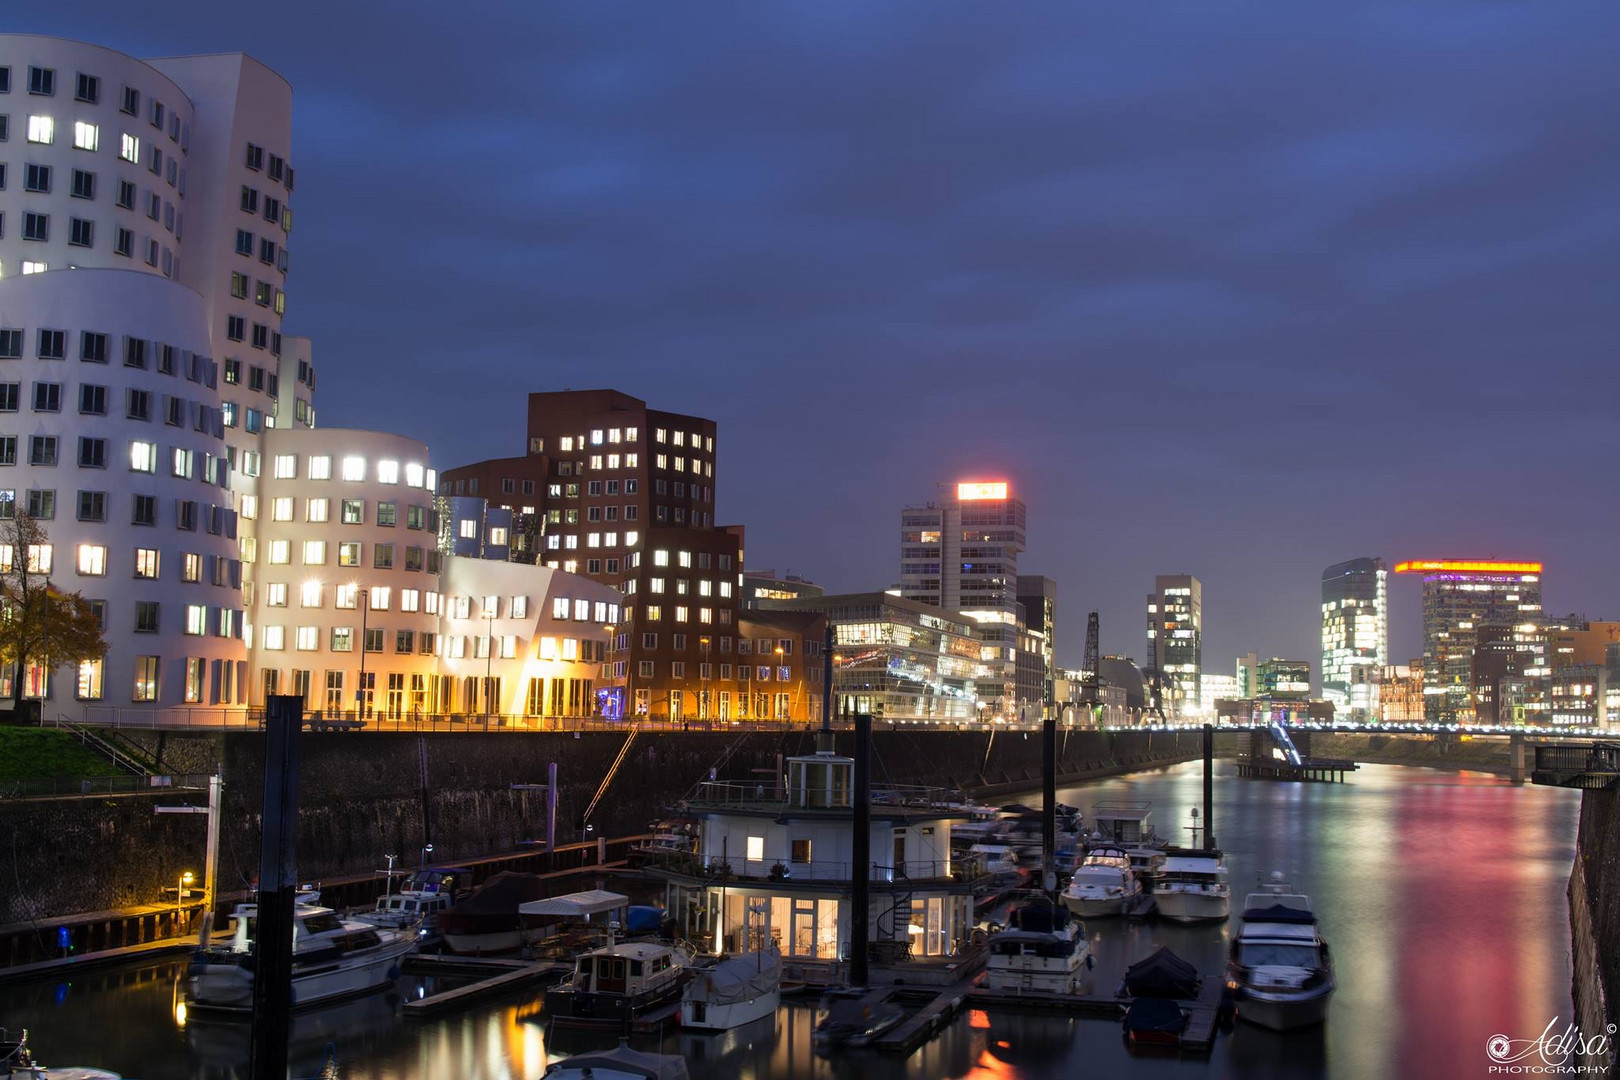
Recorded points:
(778, 673)
(703, 679)
(489, 659)
(181, 894)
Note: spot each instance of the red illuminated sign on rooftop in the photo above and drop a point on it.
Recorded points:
(1465, 566)
(967, 492)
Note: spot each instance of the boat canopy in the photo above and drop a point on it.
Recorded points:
(1040, 916)
(1188, 864)
(579, 905)
(1155, 1015)
(622, 1060)
(1278, 913)
(1162, 975)
(743, 977)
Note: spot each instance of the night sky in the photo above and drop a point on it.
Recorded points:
(1234, 290)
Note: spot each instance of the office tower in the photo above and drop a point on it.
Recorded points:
(1247, 675)
(1284, 680)
(1355, 636)
(624, 495)
(1175, 621)
(1037, 665)
(1460, 595)
(961, 554)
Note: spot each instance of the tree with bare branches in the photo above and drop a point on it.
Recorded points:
(39, 622)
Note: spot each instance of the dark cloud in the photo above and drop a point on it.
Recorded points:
(1235, 289)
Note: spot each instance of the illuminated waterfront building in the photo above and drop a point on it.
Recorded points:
(1459, 595)
(1175, 622)
(1355, 641)
(898, 659)
(1214, 688)
(1247, 676)
(1037, 644)
(759, 585)
(1285, 680)
(1400, 692)
(960, 554)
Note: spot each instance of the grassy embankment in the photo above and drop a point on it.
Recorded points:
(35, 753)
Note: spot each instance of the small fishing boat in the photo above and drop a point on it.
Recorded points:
(333, 958)
(1280, 970)
(735, 991)
(619, 983)
(854, 1022)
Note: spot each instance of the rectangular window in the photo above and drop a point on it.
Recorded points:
(86, 136)
(84, 184)
(92, 453)
(146, 679)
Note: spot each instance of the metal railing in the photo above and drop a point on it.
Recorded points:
(741, 793)
(90, 786)
(967, 869)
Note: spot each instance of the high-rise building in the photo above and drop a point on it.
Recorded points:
(1214, 687)
(1460, 595)
(1175, 630)
(1037, 666)
(1247, 675)
(625, 496)
(1284, 680)
(961, 554)
(1355, 636)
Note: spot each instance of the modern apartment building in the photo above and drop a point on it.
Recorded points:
(960, 554)
(1175, 631)
(1355, 636)
(624, 495)
(1460, 595)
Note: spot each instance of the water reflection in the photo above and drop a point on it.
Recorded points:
(1441, 894)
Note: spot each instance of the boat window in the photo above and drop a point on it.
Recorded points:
(322, 922)
(1269, 954)
(635, 969)
(585, 967)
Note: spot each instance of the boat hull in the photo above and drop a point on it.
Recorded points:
(1016, 980)
(578, 1007)
(1095, 907)
(1283, 1010)
(229, 986)
(723, 1017)
(1191, 906)
(488, 944)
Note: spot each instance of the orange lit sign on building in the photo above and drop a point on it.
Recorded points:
(969, 492)
(1457, 566)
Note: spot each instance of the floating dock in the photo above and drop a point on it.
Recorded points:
(1317, 770)
(494, 977)
(1198, 1037)
(927, 1021)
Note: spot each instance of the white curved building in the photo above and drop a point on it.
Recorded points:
(111, 434)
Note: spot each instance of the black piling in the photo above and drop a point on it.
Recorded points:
(278, 888)
(861, 902)
(1209, 787)
(1049, 807)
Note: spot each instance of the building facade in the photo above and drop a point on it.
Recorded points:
(1037, 647)
(899, 659)
(1458, 596)
(1175, 631)
(1355, 636)
(759, 585)
(624, 495)
(1284, 680)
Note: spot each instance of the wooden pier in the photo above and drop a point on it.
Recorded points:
(1198, 1037)
(497, 977)
(927, 1021)
(1317, 770)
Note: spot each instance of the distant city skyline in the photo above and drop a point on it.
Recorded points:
(1159, 295)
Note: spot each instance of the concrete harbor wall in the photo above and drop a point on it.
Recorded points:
(360, 799)
(1594, 916)
(1425, 751)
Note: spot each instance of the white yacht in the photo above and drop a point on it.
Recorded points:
(1191, 887)
(1000, 863)
(333, 958)
(1044, 948)
(619, 982)
(1103, 884)
(736, 991)
(1280, 970)
(418, 903)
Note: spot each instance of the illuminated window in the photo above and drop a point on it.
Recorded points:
(388, 472)
(275, 637)
(413, 475)
(279, 552)
(309, 595)
(281, 508)
(469, 529)
(129, 147)
(41, 129)
(86, 136)
(320, 467)
(317, 510)
(354, 469)
(314, 552)
(92, 560)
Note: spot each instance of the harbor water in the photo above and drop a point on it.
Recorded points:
(1441, 894)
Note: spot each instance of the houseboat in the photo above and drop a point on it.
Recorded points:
(1129, 827)
(785, 852)
(333, 958)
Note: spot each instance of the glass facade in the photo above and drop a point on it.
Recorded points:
(1355, 636)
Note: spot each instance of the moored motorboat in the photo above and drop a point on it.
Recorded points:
(490, 920)
(734, 991)
(1103, 884)
(619, 982)
(333, 958)
(1280, 970)
(1043, 948)
(417, 905)
(1191, 887)
(854, 1022)
(16, 1061)
(1129, 827)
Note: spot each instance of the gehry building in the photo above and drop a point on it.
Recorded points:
(161, 427)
